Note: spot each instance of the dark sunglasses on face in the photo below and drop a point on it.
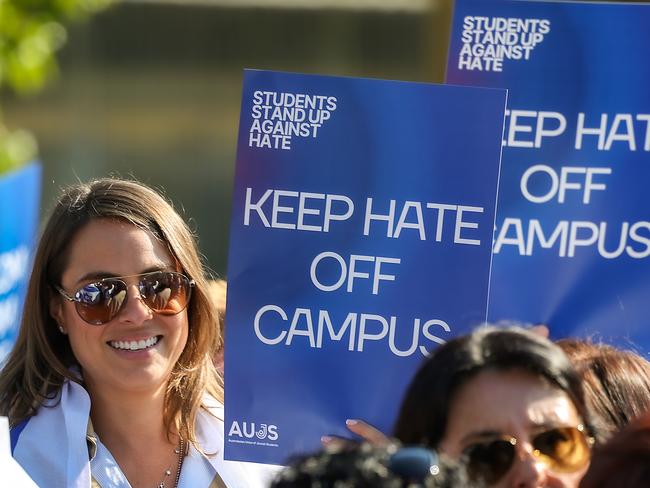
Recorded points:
(561, 449)
(164, 292)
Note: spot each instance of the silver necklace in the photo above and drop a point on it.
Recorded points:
(180, 452)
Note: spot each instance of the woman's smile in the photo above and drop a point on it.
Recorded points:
(134, 344)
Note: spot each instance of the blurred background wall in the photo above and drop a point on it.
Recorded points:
(152, 88)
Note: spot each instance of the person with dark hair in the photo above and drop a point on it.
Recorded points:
(505, 401)
(352, 465)
(616, 383)
(111, 381)
(624, 460)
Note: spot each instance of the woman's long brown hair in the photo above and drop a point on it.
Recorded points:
(41, 359)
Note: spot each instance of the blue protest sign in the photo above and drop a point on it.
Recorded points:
(19, 201)
(362, 220)
(573, 230)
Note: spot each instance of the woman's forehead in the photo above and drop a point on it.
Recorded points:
(510, 400)
(114, 247)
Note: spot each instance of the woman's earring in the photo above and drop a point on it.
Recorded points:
(62, 330)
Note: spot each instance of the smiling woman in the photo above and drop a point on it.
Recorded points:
(111, 380)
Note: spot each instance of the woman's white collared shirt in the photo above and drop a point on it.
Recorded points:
(53, 449)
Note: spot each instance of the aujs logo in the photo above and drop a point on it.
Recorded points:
(250, 430)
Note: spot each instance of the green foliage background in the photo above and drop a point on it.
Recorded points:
(31, 31)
